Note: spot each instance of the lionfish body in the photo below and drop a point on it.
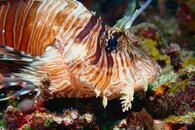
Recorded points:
(66, 43)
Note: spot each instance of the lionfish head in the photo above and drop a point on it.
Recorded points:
(131, 63)
(130, 67)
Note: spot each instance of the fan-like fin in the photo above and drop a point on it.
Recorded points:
(16, 71)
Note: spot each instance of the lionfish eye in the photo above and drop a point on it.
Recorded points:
(112, 43)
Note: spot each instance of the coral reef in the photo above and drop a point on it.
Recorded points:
(16, 119)
(175, 103)
(174, 52)
(188, 118)
(160, 106)
(185, 98)
(137, 121)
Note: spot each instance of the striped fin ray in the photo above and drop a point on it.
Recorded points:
(24, 87)
(23, 91)
(14, 63)
(11, 54)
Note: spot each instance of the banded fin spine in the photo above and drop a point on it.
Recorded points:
(11, 54)
(13, 64)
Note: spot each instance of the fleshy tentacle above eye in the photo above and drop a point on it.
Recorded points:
(131, 14)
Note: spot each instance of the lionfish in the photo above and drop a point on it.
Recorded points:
(64, 42)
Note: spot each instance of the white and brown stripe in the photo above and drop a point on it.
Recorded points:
(77, 61)
(31, 25)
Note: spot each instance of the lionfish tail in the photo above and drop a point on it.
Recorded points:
(17, 72)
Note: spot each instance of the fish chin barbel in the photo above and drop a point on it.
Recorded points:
(69, 46)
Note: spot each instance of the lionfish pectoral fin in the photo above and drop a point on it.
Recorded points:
(17, 94)
(16, 71)
(10, 54)
(6, 82)
(16, 83)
